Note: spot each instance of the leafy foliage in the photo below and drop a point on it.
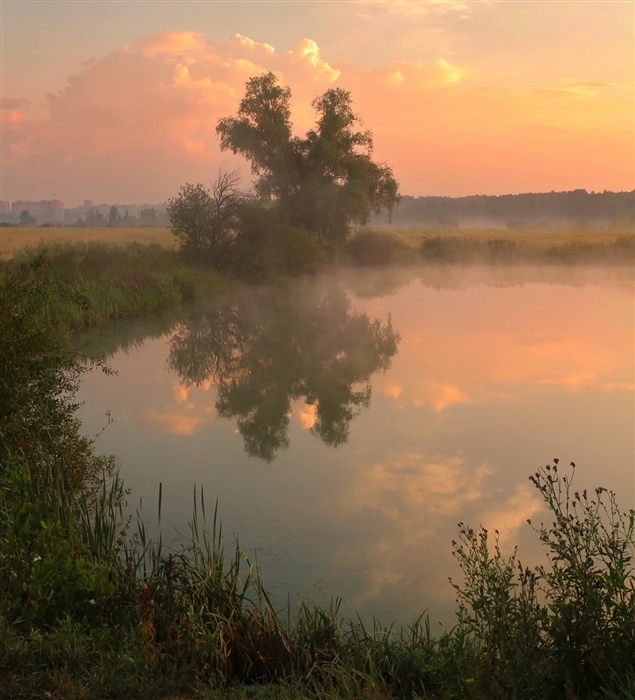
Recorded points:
(39, 376)
(563, 630)
(204, 221)
(324, 182)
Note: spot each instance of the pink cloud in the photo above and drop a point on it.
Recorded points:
(138, 123)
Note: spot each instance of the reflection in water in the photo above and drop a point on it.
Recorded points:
(264, 355)
(498, 371)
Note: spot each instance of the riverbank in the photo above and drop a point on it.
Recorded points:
(16, 238)
(110, 274)
(90, 608)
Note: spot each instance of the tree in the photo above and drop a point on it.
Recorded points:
(113, 215)
(26, 219)
(148, 217)
(324, 182)
(204, 220)
(95, 218)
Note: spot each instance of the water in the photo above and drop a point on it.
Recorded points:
(347, 423)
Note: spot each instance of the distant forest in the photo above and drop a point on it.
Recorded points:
(575, 209)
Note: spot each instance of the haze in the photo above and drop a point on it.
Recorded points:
(118, 101)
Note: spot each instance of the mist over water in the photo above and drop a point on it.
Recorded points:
(348, 422)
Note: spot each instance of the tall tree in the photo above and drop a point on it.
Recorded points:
(324, 182)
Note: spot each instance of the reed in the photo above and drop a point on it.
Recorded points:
(98, 608)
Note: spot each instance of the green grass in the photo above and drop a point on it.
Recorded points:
(101, 282)
(96, 609)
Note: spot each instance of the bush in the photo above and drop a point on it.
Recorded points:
(563, 630)
(204, 220)
(266, 247)
(39, 377)
(377, 248)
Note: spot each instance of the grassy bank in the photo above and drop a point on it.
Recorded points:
(109, 274)
(15, 239)
(102, 282)
(372, 247)
(92, 609)
(538, 238)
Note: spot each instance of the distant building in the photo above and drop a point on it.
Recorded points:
(53, 211)
(46, 211)
(71, 215)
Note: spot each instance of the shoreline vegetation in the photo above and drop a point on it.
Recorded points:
(91, 608)
(110, 274)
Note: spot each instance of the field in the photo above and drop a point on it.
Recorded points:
(16, 238)
(540, 238)
(13, 239)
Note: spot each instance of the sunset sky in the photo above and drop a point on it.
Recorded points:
(117, 101)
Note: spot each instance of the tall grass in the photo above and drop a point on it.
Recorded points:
(101, 282)
(92, 607)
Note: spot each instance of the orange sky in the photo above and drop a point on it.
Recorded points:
(462, 98)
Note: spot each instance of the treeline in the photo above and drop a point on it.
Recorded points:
(577, 208)
(147, 217)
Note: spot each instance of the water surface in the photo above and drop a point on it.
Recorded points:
(348, 422)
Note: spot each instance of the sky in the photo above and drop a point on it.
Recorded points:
(117, 101)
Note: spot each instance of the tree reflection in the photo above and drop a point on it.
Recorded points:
(264, 354)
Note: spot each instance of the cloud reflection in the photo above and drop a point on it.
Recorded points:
(411, 504)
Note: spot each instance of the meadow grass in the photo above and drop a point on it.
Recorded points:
(383, 247)
(101, 281)
(540, 238)
(14, 239)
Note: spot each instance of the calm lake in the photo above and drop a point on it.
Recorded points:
(346, 423)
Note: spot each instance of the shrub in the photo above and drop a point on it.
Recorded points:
(39, 376)
(377, 248)
(266, 247)
(563, 630)
(204, 220)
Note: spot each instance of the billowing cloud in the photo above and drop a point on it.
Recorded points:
(139, 122)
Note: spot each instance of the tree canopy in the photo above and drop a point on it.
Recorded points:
(324, 182)
(203, 220)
